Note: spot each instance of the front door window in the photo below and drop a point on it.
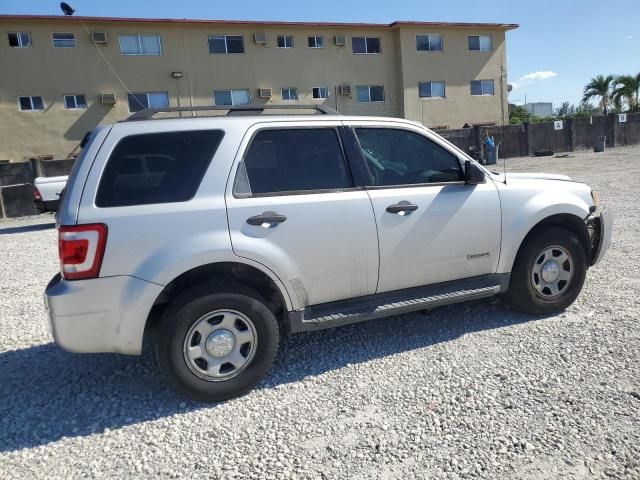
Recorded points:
(401, 157)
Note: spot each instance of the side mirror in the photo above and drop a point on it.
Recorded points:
(473, 174)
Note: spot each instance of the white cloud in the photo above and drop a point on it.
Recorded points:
(533, 77)
(628, 37)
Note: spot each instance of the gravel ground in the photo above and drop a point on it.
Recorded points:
(474, 390)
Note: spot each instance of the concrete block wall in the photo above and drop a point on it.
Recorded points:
(511, 138)
(17, 201)
(629, 132)
(51, 168)
(16, 184)
(577, 133)
(15, 173)
(463, 138)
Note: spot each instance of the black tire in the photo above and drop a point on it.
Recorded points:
(185, 311)
(522, 290)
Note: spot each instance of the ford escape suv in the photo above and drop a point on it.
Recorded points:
(229, 231)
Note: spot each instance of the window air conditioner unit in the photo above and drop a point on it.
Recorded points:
(100, 38)
(260, 38)
(264, 92)
(340, 40)
(108, 98)
(344, 89)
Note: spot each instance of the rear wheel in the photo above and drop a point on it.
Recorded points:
(549, 272)
(217, 342)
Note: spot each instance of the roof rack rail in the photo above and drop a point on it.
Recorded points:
(148, 113)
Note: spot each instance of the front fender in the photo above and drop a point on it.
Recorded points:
(522, 212)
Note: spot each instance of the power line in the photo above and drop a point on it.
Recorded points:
(115, 74)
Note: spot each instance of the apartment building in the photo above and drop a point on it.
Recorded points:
(62, 76)
(539, 109)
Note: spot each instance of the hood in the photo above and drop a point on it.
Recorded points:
(531, 176)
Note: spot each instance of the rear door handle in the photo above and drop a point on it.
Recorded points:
(402, 208)
(266, 219)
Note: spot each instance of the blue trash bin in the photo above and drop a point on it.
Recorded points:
(492, 151)
(492, 155)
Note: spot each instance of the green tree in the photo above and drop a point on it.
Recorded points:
(565, 110)
(626, 88)
(518, 114)
(585, 109)
(600, 88)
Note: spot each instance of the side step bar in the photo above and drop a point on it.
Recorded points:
(345, 312)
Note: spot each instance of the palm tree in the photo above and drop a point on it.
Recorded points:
(599, 87)
(626, 87)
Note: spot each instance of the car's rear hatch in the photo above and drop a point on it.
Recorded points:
(70, 203)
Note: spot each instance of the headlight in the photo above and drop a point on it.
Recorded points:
(596, 198)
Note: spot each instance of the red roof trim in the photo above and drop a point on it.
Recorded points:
(502, 26)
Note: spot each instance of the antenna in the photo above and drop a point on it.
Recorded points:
(68, 11)
(504, 159)
(504, 167)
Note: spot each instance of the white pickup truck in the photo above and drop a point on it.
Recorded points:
(47, 192)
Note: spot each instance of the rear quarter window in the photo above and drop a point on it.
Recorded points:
(157, 168)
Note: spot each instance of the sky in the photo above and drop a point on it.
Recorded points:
(559, 46)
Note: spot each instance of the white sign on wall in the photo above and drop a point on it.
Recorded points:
(557, 124)
(622, 118)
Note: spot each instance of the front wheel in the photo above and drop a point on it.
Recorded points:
(216, 342)
(549, 272)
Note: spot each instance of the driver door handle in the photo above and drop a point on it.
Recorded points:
(266, 219)
(402, 208)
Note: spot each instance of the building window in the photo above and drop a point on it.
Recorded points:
(75, 102)
(370, 93)
(480, 42)
(481, 87)
(226, 44)
(19, 39)
(27, 104)
(289, 94)
(365, 44)
(320, 92)
(429, 43)
(140, 44)
(141, 100)
(64, 40)
(231, 97)
(431, 90)
(285, 41)
(316, 42)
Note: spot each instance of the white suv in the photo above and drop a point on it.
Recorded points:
(230, 231)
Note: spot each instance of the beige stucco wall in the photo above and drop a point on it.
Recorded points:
(456, 65)
(52, 72)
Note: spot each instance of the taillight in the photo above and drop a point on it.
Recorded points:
(81, 248)
(36, 194)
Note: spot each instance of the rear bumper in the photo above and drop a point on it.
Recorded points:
(100, 315)
(601, 224)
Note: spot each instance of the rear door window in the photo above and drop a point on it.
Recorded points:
(157, 168)
(293, 160)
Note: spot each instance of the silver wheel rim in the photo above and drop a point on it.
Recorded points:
(220, 345)
(552, 272)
